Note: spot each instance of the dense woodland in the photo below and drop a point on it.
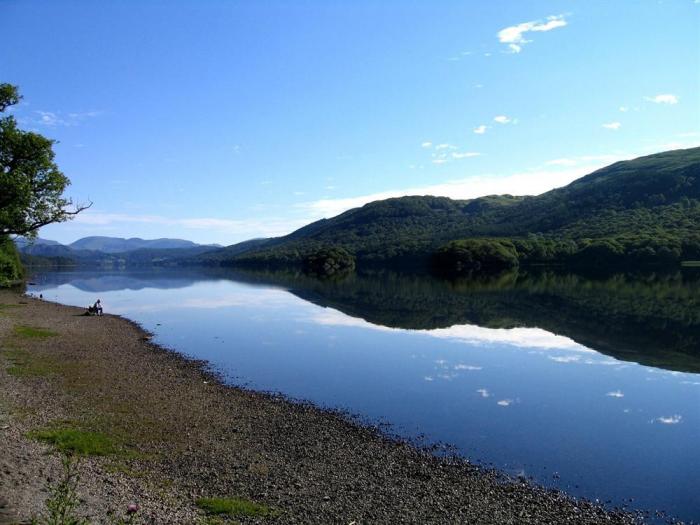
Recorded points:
(640, 212)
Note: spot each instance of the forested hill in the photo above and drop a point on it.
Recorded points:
(645, 210)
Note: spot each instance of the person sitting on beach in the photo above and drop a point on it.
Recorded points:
(95, 309)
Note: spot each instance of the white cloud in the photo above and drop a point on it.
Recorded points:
(445, 146)
(483, 392)
(465, 155)
(615, 393)
(505, 402)
(612, 125)
(670, 420)
(624, 109)
(427, 144)
(502, 119)
(663, 99)
(514, 36)
(440, 161)
(480, 130)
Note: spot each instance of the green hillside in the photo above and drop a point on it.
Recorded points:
(642, 211)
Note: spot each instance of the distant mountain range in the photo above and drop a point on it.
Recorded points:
(109, 244)
(108, 251)
(642, 211)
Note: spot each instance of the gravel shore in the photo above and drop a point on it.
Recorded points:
(178, 434)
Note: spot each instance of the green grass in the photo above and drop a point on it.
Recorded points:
(75, 441)
(233, 507)
(24, 364)
(31, 332)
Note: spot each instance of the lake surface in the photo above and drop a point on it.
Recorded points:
(591, 385)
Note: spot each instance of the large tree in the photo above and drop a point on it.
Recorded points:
(31, 185)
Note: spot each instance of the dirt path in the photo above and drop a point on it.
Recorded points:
(170, 435)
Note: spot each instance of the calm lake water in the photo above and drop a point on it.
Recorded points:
(588, 385)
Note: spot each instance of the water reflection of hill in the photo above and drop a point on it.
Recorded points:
(653, 320)
(92, 281)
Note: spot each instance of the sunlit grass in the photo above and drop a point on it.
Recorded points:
(233, 507)
(76, 441)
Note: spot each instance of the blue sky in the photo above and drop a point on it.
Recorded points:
(219, 121)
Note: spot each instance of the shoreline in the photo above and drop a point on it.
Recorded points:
(178, 433)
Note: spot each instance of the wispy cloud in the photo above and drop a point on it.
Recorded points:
(583, 159)
(502, 119)
(612, 125)
(427, 144)
(525, 183)
(515, 36)
(505, 402)
(663, 99)
(467, 367)
(440, 147)
(465, 155)
(483, 392)
(480, 130)
(615, 393)
(565, 358)
(669, 420)
(54, 119)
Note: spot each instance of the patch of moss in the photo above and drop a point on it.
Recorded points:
(233, 507)
(75, 441)
(32, 332)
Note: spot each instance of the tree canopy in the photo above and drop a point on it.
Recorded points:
(31, 185)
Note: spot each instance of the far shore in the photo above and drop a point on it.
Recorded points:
(145, 426)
